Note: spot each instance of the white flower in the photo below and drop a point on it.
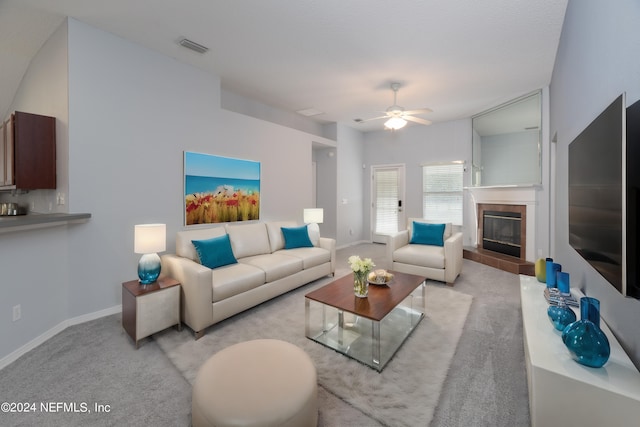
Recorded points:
(360, 265)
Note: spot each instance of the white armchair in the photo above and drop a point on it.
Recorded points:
(442, 263)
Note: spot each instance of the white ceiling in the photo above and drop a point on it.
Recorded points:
(457, 57)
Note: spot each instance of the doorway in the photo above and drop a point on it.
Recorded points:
(387, 199)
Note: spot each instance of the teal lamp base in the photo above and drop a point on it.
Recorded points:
(149, 268)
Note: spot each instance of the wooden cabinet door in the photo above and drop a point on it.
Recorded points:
(3, 138)
(34, 155)
(9, 178)
(6, 153)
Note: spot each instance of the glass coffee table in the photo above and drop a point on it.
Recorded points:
(369, 330)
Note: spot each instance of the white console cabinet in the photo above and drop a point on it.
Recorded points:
(561, 391)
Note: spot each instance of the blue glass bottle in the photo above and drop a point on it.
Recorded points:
(552, 271)
(585, 340)
(561, 315)
(540, 269)
(563, 283)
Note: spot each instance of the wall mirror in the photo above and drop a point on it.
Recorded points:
(506, 143)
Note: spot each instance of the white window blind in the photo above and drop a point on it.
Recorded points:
(442, 192)
(386, 201)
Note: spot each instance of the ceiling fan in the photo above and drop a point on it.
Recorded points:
(397, 116)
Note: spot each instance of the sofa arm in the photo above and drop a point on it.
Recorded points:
(197, 292)
(330, 245)
(452, 257)
(396, 241)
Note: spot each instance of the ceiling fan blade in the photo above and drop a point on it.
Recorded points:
(373, 118)
(420, 111)
(417, 120)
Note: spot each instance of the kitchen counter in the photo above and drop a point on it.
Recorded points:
(38, 220)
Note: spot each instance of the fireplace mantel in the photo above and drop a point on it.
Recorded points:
(510, 195)
(507, 194)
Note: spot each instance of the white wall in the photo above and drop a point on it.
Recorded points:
(413, 146)
(442, 142)
(35, 264)
(43, 90)
(326, 188)
(250, 107)
(596, 61)
(132, 113)
(476, 144)
(351, 186)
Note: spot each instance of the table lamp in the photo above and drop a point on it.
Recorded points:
(312, 217)
(149, 239)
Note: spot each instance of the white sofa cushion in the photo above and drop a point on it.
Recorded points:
(185, 248)
(276, 239)
(310, 257)
(448, 227)
(249, 239)
(275, 266)
(422, 255)
(235, 279)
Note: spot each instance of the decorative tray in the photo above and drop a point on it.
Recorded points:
(373, 276)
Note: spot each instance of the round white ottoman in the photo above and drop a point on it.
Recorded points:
(256, 383)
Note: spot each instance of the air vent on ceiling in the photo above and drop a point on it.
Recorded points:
(193, 46)
(309, 112)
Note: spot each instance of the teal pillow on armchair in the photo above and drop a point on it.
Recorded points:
(427, 234)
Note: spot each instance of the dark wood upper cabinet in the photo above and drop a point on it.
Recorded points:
(28, 152)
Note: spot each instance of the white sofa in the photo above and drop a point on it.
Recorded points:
(442, 263)
(265, 269)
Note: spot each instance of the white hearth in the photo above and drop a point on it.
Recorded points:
(505, 195)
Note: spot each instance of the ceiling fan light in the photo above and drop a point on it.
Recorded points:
(395, 123)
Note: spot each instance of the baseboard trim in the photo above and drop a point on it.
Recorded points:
(13, 356)
(359, 242)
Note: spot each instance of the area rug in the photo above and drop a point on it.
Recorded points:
(406, 393)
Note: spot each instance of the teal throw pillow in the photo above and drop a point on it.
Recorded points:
(296, 237)
(215, 252)
(428, 234)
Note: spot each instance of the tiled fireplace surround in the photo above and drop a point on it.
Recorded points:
(516, 199)
(499, 210)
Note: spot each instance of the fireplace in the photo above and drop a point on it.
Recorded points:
(502, 228)
(501, 232)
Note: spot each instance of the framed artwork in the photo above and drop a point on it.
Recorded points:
(220, 189)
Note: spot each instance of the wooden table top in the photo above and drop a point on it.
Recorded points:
(379, 302)
(135, 288)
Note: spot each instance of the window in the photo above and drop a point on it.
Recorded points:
(442, 192)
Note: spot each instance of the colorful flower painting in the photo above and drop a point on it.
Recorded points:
(220, 189)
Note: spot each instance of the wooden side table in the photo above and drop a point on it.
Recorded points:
(147, 309)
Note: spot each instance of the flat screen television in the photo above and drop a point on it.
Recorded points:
(633, 199)
(597, 208)
(604, 195)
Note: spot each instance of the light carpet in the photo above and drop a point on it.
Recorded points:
(406, 393)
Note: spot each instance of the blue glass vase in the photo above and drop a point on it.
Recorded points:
(585, 340)
(561, 315)
(540, 269)
(552, 271)
(563, 283)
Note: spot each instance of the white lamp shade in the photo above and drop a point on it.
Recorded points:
(150, 238)
(313, 215)
(395, 123)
